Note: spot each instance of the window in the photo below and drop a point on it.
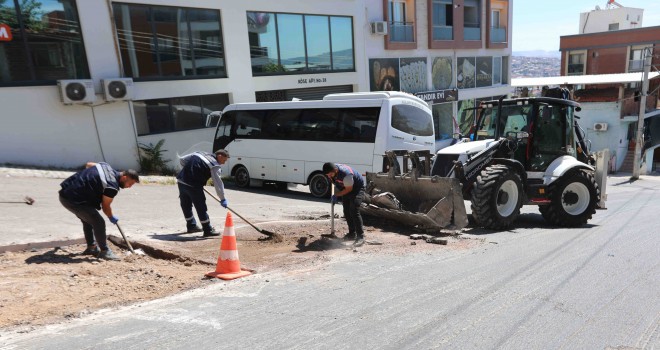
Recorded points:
(283, 43)
(636, 63)
(443, 121)
(576, 63)
(443, 20)
(163, 42)
(497, 26)
(177, 114)
(472, 20)
(411, 120)
(497, 70)
(613, 26)
(400, 28)
(46, 43)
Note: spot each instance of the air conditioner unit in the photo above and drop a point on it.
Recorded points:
(600, 126)
(118, 89)
(77, 91)
(379, 28)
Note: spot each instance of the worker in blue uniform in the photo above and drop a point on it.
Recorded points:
(88, 191)
(197, 169)
(350, 188)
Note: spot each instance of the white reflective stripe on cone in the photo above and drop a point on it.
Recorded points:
(229, 255)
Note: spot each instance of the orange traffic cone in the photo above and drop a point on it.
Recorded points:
(228, 267)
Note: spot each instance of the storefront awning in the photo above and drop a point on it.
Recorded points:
(583, 79)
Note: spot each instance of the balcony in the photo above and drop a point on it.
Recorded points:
(402, 32)
(635, 65)
(472, 31)
(443, 33)
(498, 34)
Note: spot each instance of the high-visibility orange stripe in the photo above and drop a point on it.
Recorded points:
(228, 243)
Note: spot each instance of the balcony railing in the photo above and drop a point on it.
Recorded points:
(497, 34)
(576, 69)
(472, 31)
(635, 65)
(443, 33)
(402, 32)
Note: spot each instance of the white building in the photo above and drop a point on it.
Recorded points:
(614, 17)
(186, 58)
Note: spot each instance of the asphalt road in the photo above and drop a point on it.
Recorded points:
(534, 287)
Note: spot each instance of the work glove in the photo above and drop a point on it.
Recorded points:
(224, 203)
(333, 199)
(114, 219)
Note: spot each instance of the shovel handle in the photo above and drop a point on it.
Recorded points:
(125, 240)
(235, 213)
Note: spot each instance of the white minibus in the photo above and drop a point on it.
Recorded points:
(288, 142)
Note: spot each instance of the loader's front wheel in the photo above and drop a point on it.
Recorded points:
(573, 199)
(496, 197)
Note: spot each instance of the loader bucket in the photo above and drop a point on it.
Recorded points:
(426, 202)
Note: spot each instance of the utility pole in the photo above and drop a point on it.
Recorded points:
(642, 109)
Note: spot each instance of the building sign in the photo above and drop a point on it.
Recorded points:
(412, 74)
(484, 71)
(312, 79)
(439, 96)
(442, 74)
(5, 32)
(384, 73)
(465, 72)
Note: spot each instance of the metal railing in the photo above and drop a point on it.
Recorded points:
(472, 31)
(402, 32)
(635, 65)
(497, 34)
(443, 33)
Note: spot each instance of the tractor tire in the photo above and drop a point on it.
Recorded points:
(573, 199)
(319, 186)
(496, 197)
(242, 177)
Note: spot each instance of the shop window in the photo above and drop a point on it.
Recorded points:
(177, 114)
(43, 45)
(161, 41)
(283, 43)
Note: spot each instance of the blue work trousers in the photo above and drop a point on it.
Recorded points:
(193, 196)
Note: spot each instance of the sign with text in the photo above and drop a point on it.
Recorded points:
(5, 32)
(312, 79)
(439, 96)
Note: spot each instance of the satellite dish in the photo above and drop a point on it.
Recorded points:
(75, 91)
(117, 89)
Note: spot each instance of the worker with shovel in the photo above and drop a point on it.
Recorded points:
(350, 184)
(88, 191)
(198, 168)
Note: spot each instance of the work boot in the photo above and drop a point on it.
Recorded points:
(108, 255)
(209, 231)
(193, 228)
(349, 236)
(91, 250)
(359, 241)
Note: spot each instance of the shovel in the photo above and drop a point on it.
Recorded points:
(272, 235)
(27, 200)
(136, 252)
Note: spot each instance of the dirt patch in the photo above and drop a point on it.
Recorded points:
(44, 286)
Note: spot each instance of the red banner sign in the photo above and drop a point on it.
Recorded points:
(5, 32)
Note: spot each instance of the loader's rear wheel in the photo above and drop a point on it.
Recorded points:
(496, 197)
(573, 199)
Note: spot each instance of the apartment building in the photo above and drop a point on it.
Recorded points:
(95, 79)
(611, 110)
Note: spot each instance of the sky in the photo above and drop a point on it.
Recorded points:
(538, 24)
